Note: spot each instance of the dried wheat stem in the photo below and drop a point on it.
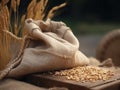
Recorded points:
(17, 13)
(51, 12)
(4, 2)
(39, 8)
(18, 3)
(6, 17)
(31, 5)
(45, 3)
(13, 5)
(21, 25)
(17, 18)
(44, 8)
(30, 9)
(10, 15)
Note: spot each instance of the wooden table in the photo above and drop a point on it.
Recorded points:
(45, 80)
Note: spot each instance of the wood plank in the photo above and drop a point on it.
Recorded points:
(115, 85)
(46, 80)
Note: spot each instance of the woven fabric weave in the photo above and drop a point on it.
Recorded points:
(52, 46)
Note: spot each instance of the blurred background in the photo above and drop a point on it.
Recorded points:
(90, 16)
(90, 20)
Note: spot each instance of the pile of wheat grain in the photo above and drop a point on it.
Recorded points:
(86, 74)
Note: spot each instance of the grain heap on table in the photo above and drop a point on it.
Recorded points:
(86, 73)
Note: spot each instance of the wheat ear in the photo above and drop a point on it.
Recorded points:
(51, 12)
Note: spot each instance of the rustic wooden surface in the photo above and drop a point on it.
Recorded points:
(46, 80)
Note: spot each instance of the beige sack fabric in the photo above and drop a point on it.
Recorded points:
(52, 46)
(11, 84)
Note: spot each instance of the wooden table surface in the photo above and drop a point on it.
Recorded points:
(46, 80)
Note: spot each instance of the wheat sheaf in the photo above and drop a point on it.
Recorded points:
(12, 28)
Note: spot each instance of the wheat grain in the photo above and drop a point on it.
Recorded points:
(86, 74)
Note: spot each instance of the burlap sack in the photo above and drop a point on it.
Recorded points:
(11, 84)
(52, 46)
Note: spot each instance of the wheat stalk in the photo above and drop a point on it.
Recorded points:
(51, 12)
(36, 10)
(39, 9)
(30, 9)
(6, 17)
(4, 2)
(18, 3)
(21, 26)
(13, 5)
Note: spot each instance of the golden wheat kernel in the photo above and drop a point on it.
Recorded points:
(99, 77)
(82, 79)
(57, 73)
(87, 73)
(77, 80)
(104, 79)
(68, 77)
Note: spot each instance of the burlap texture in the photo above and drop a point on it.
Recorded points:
(52, 46)
(11, 84)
